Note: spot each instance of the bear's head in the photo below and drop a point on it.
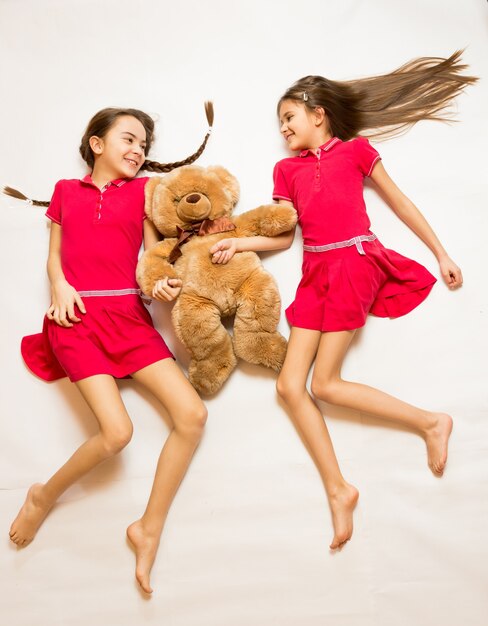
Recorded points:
(190, 194)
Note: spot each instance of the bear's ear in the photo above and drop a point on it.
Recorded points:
(230, 182)
(149, 190)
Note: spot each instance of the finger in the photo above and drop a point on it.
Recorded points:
(162, 296)
(49, 313)
(175, 282)
(158, 289)
(58, 320)
(72, 315)
(56, 316)
(458, 277)
(220, 245)
(62, 317)
(447, 278)
(79, 303)
(170, 293)
(454, 278)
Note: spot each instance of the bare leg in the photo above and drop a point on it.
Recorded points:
(328, 385)
(188, 414)
(103, 397)
(308, 419)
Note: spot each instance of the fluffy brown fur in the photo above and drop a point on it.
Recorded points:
(241, 288)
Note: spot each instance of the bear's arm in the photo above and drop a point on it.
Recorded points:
(268, 220)
(153, 265)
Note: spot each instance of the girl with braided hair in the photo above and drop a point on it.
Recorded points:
(97, 329)
(347, 272)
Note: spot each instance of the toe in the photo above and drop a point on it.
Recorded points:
(144, 583)
(336, 543)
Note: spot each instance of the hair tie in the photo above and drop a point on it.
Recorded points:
(305, 96)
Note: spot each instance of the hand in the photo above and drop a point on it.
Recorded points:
(451, 274)
(167, 289)
(63, 300)
(223, 251)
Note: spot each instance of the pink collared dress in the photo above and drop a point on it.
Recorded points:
(340, 286)
(102, 232)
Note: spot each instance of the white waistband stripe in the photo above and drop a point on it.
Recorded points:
(109, 292)
(355, 241)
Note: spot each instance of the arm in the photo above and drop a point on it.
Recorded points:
(413, 218)
(224, 250)
(166, 289)
(63, 295)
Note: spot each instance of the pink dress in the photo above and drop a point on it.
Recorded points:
(102, 233)
(340, 286)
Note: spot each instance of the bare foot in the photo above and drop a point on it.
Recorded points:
(30, 517)
(145, 546)
(437, 440)
(342, 505)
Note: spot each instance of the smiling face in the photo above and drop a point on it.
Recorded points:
(120, 152)
(301, 127)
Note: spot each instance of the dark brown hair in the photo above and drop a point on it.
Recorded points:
(102, 122)
(388, 104)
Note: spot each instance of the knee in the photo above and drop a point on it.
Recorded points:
(116, 439)
(193, 424)
(326, 390)
(288, 390)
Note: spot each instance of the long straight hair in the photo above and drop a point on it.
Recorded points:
(385, 105)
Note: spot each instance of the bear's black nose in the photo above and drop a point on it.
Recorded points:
(194, 198)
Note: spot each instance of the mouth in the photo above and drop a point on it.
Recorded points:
(288, 137)
(131, 162)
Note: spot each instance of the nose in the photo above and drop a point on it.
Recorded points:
(194, 198)
(283, 127)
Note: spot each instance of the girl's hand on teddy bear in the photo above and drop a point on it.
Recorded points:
(223, 251)
(167, 289)
(63, 300)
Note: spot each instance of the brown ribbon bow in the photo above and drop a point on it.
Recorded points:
(204, 227)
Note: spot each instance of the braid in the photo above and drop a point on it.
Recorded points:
(14, 193)
(154, 166)
(150, 166)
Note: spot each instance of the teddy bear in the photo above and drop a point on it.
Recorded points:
(192, 208)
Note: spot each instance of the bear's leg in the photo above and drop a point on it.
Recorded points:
(256, 339)
(197, 323)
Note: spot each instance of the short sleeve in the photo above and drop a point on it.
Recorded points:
(366, 155)
(54, 212)
(280, 190)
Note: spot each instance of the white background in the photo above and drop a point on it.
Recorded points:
(247, 538)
